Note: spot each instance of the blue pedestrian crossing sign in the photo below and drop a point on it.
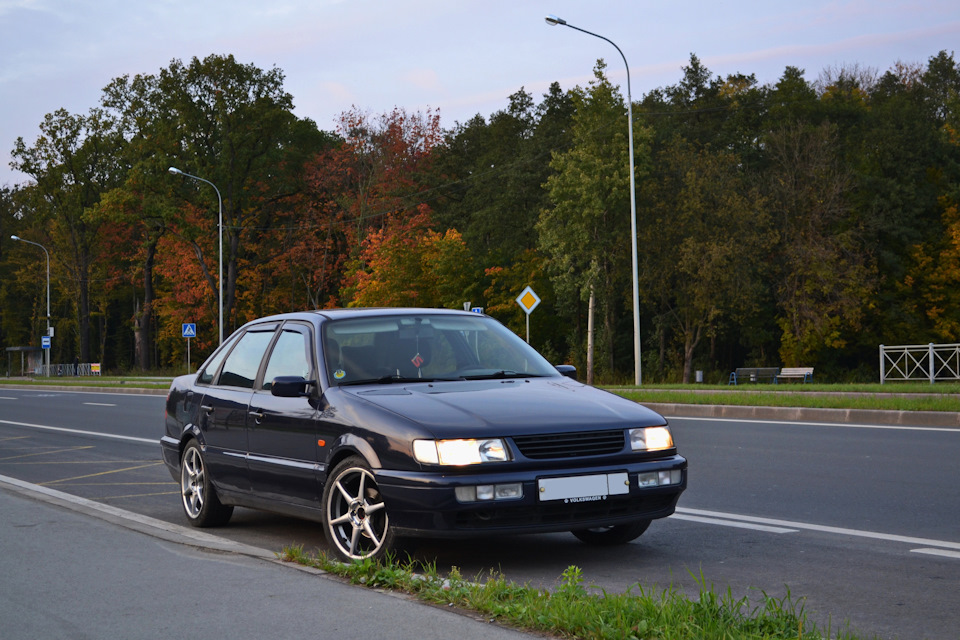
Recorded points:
(189, 329)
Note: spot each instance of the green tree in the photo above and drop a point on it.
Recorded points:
(74, 161)
(584, 233)
(704, 233)
(825, 277)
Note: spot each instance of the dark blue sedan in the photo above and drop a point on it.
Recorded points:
(384, 423)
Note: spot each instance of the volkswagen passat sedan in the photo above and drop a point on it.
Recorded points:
(382, 423)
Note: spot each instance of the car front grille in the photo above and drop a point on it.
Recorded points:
(570, 445)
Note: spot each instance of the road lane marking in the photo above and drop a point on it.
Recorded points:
(102, 473)
(802, 423)
(888, 537)
(8, 398)
(80, 432)
(938, 552)
(100, 404)
(43, 453)
(732, 523)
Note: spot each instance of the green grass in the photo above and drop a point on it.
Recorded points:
(894, 397)
(134, 382)
(574, 610)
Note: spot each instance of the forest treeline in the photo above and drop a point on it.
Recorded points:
(800, 223)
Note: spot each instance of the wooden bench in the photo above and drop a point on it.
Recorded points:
(800, 373)
(754, 374)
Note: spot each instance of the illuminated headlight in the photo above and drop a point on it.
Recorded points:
(460, 452)
(651, 439)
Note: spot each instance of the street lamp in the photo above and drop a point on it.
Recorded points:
(177, 172)
(554, 21)
(36, 244)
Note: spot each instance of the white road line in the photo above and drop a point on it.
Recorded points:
(800, 423)
(100, 404)
(8, 398)
(81, 432)
(732, 523)
(938, 552)
(888, 537)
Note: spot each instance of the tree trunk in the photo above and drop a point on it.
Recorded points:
(143, 321)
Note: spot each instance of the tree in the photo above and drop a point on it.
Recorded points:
(825, 277)
(74, 161)
(704, 234)
(405, 264)
(583, 232)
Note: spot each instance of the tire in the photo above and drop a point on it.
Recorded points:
(355, 519)
(200, 502)
(616, 534)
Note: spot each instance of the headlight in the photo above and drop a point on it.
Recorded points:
(651, 439)
(460, 452)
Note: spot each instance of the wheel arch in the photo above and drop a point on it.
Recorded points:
(351, 445)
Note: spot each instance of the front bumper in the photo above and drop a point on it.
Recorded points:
(425, 503)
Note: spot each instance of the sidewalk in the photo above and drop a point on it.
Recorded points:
(73, 568)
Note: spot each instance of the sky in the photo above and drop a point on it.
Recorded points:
(458, 57)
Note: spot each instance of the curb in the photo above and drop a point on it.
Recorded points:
(134, 521)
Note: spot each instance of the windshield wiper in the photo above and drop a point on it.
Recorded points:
(501, 374)
(394, 378)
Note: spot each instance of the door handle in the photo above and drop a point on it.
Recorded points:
(207, 409)
(258, 416)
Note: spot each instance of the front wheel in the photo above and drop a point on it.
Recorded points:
(355, 517)
(200, 502)
(616, 534)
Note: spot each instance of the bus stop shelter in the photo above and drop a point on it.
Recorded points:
(31, 360)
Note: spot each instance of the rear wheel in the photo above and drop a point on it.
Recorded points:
(355, 517)
(200, 502)
(616, 534)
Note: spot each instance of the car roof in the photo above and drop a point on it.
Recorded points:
(360, 312)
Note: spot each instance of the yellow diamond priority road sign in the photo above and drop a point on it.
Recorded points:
(528, 300)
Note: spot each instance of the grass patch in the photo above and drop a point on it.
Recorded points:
(573, 610)
(771, 398)
(106, 382)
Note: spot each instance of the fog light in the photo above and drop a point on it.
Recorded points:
(509, 491)
(647, 480)
(485, 492)
(466, 494)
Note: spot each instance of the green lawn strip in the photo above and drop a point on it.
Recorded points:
(940, 388)
(573, 610)
(832, 400)
(92, 381)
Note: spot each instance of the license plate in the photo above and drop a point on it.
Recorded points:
(583, 488)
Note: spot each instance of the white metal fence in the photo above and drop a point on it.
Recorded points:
(65, 370)
(930, 362)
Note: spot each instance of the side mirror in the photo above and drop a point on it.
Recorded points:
(567, 370)
(290, 386)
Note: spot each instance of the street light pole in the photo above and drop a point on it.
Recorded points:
(553, 21)
(177, 172)
(37, 244)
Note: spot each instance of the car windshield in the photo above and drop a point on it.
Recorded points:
(423, 348)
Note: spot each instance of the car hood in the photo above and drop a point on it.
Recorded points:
(507, 407)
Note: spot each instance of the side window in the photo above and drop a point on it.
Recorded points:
(209, 371)
(240, 369)
(290, 357)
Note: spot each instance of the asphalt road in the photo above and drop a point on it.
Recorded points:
(859, 524)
